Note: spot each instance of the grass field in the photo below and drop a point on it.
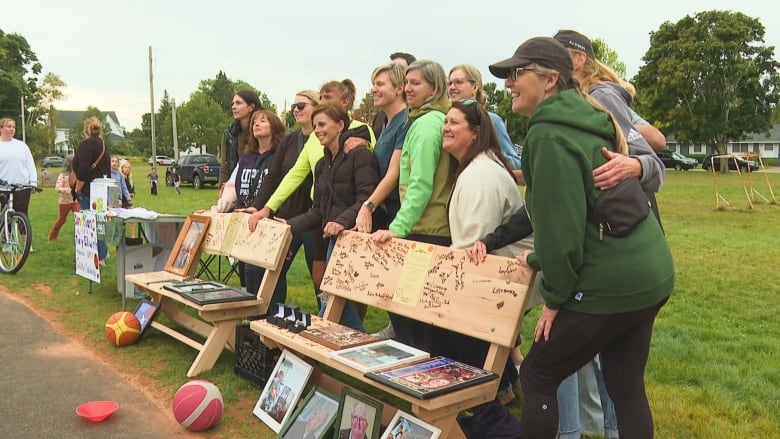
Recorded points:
(714, 368)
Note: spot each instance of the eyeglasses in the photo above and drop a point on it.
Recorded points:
(299, 105)
(460, 81)
(358, 418)
(517, 71)
(475, 103)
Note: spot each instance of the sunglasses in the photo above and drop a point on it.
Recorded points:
(517, 71)
(476, 105)
(299, 105)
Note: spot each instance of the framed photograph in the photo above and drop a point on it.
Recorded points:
(406, 426)
(359, 416)
(196, 287)
(145, 312)
(379, 355)
(314, 418)
(337, 336)
(186, 250)
(282, 391)
(431, 377)
(205, 297)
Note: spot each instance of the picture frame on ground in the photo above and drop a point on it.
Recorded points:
(145, 312)
(405, 426)
(186, 250)
(359, 416)
(314, 418)
(282, 391)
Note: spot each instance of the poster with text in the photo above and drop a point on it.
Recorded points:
(86, 246)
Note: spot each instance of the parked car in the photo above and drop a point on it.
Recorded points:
(162, 160)
(197, 169)
(676, 160)
(52, 162)
(733, 161)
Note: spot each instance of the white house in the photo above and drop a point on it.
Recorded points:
(767, 146)
(67, 119)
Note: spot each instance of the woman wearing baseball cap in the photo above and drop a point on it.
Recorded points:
(600, 293)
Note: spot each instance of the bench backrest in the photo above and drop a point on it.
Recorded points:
(267, 246)
(432, 284)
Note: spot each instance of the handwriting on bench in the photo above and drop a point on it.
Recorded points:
(360, 268)
(229, 235)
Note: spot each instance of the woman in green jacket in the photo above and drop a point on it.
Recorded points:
(601, 293)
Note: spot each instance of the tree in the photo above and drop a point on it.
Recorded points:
(19, 70)
(500, 102)
(709, 79)
(76, 133)
(201, 122)
(609, 57)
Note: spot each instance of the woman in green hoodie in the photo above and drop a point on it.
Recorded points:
(601, 293)
(423, 181)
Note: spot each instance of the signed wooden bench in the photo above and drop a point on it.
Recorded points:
(216, 322)
(432, 284)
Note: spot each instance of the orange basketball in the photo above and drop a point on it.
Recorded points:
(123, 328)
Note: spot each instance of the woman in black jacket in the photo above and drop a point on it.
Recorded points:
(342, 182)
(245, 103)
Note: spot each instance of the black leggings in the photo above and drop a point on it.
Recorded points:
(624, 343)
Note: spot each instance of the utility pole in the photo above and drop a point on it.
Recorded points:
(24, 137)
(175, 135)
(151, 119)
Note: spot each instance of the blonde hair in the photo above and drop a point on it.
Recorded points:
(475, 76)
(311, 95)
(129, 176)
(92, 126)
(5, 120)
(619, 141)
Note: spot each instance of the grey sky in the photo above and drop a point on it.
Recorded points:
(100, 49)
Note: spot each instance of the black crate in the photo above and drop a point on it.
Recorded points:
(254, 360)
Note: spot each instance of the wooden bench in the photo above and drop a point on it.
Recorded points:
(265, 247)
(432, 284)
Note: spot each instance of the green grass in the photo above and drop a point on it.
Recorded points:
(714, 368)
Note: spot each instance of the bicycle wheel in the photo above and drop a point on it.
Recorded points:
(15, 240)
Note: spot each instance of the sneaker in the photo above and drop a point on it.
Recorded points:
(506, 397)
(386, 333)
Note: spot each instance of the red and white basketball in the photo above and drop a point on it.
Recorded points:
(123, 328)
(197, 405)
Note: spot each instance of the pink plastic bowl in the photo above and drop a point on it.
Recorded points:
(97, 411)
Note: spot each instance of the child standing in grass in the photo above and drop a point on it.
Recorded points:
(66, 201)
(153, 180)
(176, 181)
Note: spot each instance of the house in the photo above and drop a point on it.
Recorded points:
(67, 119)
(767, 146)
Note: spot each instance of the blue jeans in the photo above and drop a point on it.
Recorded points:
(102, 248)
(569, 410)
(350, 316)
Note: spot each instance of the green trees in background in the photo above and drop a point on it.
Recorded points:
(709, 79)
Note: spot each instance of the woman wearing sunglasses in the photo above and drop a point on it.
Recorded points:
(299, 201)
(465, 82)
(601, 293)
(484, 196)
(342, 182)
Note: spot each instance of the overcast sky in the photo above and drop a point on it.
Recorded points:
(101, 49)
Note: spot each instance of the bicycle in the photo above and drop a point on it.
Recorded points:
(15, 231)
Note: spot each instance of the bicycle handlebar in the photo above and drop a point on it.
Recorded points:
(15, 187)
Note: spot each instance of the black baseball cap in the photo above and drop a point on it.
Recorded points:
(576, 40)
(543, 51)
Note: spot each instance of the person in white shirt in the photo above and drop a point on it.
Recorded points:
(16, 165)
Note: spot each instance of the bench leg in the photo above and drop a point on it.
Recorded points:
(212, 348)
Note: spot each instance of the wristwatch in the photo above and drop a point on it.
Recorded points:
(370, 206)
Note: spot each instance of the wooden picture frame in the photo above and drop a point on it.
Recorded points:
(145, 312)
(360, 413)
(282, 391)
(314, 417)
(404, 425)
(379, 355)
(185, 253)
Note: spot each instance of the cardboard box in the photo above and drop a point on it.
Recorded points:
(138, 259)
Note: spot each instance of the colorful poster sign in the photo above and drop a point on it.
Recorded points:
(86, 246)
